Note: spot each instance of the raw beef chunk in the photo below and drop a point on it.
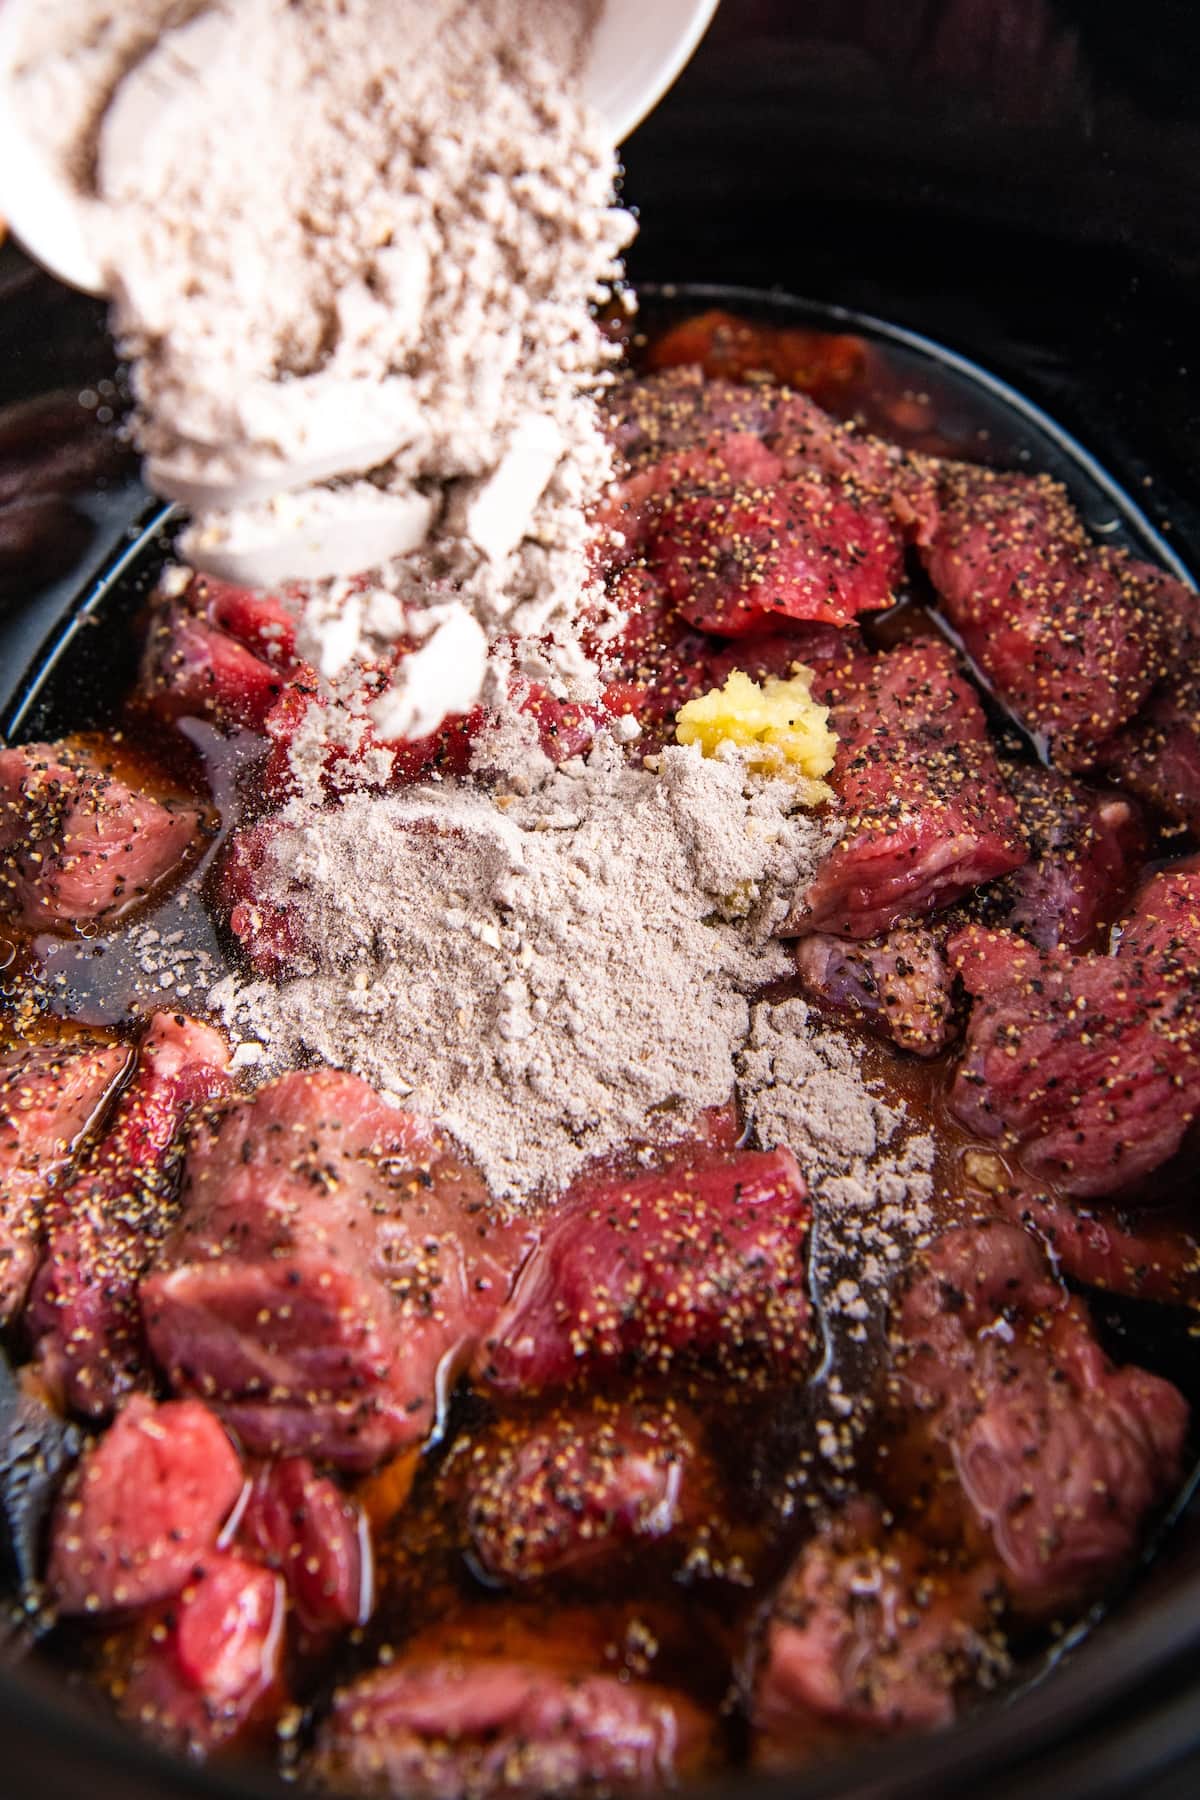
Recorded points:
(700, 1262)
(1085, 848)
(870, 1631)
(807, 549)
(1013, 1432)
(333, 1260)
(1063, 631)
(899, 986)
(1157, 755)
(437, 1730)
(579, 1486)
(1089, 1066)
(101, 1230)
(146, 1502)
(927, 817)
(219, 652)
(301, 1524)
(50, 1096)
(1148, 1255)
(196, 1674)
(75, 842)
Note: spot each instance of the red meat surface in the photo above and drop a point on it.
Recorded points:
(1088, 1066)
(1148, 1255)
(198, 1674)
(192, 669)
(76, 843)
(333, 1262)
(270, 933)
(701, 1262)
(927, 817)
(871, 1631)
(810, 549)
(1063, 631)
(50, 1097)
(304, 1527)
(1013, 1432)
(143, 1506)
(1086, 850)
(731, 349)
(899, 986)
(579, 1486)
(489, 1725)
(102, 1229)
(1157, 755)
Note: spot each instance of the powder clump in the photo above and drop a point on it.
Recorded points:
(551, 975)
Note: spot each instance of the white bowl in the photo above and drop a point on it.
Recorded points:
(639, 48)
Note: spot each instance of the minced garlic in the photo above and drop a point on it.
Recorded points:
(779, 724)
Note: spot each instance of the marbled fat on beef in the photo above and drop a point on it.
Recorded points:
(332, 1263)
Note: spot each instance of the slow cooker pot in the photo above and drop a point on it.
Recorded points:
(1017, 180)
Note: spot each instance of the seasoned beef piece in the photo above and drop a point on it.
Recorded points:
(75, 842)
(219, 652)
(657, 662)
(50, 1096)
(102, 1229)
(1088, 1065)
(302, 1525)
(1148, 1255)
(1085, 850)
(1063, 630)
(699, 1262)
(1012, 1431)
(147, 1500)
(927, 817)
(809, 548)
(269, 933)
(439, 1729)
(1157, 755)
(195, 1675)
(677, 412)
(899, 986)
(579, 1486)
(333, 1262)
(731, 349)
(871, 1631)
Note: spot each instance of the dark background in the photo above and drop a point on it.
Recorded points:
(1017, 178)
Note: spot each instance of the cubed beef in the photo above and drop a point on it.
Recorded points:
(76, 843)
(269, 932)
(303, 1526)
(579, 1486)
(196, 1675)
(1147, 1255)
(870, 1631)
(219, 652)
(653, 417)
(731, 349)
(143, 1506)
(50, 1096)
(927, 817)
(1063, 631)
(1089, 1066)
(702, 1262)
(1157, 755)
(332, 1264)
(1086, 850)
(102, 1229)
(1011, 1429)
(657, 662)
(899, 986)
(437, 1730)
(353, 755)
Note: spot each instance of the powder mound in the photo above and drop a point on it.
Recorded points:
(355, 244)
(550, 974)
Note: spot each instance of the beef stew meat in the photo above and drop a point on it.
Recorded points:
(355, 1468)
